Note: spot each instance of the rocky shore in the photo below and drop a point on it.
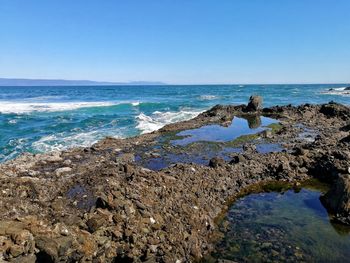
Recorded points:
(103, 204)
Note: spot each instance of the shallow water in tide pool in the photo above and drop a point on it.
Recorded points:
(283, 227)
(217, 133)
(201, 144)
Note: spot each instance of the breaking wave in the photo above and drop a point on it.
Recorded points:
(28, 107)
(159, 119)
(342, 91)
(208, 97)
(63, 141)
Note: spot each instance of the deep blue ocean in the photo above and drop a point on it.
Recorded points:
(41, 119)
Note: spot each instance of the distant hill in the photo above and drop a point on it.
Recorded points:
(62, 82)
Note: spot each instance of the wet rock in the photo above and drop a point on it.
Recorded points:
(255, 103)
(216, 162)
(337, 200)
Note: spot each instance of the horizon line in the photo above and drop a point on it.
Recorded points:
(149, 83)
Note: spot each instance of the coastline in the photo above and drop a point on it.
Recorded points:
(99, 203)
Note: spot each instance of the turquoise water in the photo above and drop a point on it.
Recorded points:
(40, 119)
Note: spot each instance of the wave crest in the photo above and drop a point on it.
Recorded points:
(159, 119)
(7, 107)
(208, 97)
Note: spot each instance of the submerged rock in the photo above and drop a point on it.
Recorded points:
(337, 200)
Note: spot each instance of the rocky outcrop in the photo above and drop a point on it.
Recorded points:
(97, 204)
(255, 103)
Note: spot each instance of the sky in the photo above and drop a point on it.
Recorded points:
(177, 41)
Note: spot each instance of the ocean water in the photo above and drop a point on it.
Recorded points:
(42, 119)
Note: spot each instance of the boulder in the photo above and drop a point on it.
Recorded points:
(216, 162)
(255, 103)
(337, 199)
(238, 159)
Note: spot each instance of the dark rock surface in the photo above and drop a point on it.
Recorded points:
(255, 103)
(97, 204)
(338, 198)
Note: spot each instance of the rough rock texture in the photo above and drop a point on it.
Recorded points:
(338, 199)
(255, 103)
(97, 204)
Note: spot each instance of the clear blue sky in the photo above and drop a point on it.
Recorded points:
(177, 41)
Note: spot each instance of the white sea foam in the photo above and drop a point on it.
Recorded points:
(342, 91)
(159, 119)
(28, 107)
(136, 103)
(62, 141)
(208, 97)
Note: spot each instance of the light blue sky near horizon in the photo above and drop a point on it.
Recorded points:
(177, 41)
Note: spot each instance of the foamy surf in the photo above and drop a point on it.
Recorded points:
(159, 119)
(63, 141)
(208, 97)
(342, 91)
(7, 107)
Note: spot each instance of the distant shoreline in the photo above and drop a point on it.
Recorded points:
(22, 82)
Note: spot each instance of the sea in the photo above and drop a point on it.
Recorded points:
(50, 118)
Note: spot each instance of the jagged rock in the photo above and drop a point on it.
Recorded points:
(255, 103)
(333, 109)
(113, 209)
